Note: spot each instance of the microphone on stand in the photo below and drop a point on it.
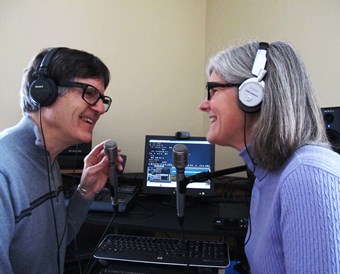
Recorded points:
(110, 149)
(180, 161)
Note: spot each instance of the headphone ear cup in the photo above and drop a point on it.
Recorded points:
(44, 91)
(250, 95)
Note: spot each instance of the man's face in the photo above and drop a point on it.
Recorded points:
(70, 118)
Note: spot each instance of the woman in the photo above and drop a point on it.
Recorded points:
(274, 121)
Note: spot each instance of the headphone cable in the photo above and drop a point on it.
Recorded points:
(50, 190)
(253, 171)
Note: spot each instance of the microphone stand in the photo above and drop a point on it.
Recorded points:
(203, 176)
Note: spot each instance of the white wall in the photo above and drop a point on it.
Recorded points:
(312, 26)
(157, 51)
(154, 49)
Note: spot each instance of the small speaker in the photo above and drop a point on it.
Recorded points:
(232, 217)
(331, 116)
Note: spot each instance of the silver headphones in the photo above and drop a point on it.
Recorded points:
(250, 93)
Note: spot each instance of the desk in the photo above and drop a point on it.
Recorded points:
(157, 216)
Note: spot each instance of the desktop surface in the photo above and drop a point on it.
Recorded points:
(160, 214)
(156, 215)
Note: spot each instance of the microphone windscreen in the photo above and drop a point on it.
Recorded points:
(180, 156)
(110, 149)
(110, 144)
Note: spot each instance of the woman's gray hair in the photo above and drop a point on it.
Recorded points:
(290, 116)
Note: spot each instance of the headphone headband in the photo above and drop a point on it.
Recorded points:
(260, 59)
(42, 70)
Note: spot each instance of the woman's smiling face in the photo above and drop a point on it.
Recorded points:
(226, 118)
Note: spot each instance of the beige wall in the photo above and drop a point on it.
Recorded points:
(154, 49)
(312, 26)
(157, 51)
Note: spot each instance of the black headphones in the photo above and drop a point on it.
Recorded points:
(250, 93)
(44, 90)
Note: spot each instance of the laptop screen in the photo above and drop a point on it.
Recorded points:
(159, 172)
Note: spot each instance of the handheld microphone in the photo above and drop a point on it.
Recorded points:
(110, 149)
(180, 161)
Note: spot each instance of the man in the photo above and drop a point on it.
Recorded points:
(62, 98)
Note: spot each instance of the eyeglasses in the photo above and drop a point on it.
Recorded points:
(212, 85)
(90, 95)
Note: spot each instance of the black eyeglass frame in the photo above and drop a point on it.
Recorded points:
(211, 85)
(106, 99)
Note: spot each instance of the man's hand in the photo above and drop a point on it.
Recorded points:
(96, 171)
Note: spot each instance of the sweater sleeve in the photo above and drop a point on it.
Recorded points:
(7, 225)
(76, 214)
(310, 220)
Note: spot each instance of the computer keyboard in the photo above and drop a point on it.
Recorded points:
(166, 251)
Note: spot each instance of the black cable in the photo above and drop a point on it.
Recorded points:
(74, 165)
(50, 189)
(99, 242)
(245, 141)
(181, 222)
(253, 171)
